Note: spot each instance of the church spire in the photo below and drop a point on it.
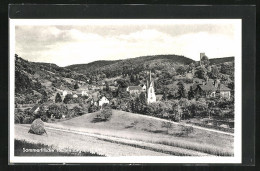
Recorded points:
(150, 78)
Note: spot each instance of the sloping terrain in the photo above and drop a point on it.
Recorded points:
(149, 129)
(114, 68)
(221, 60)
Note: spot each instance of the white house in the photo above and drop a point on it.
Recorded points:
(75, 96)
(64, 93)
(102, 101)
(84, 93)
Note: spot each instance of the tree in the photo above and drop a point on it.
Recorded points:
(201, 73)
(167, 125)
(191, 93)
(227, 68)
(68, 98)
(181, 70)
(76, 86)
(211, 105)
(191, 67)
(58, 98)
(132, 78)
(57, 111)
(44, 97)
(181, 90)
(214, 72)
(205, 60)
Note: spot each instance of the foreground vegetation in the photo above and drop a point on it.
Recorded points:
(24, 148)
(75, 141)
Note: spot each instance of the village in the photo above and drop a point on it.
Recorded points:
(188, 101)
(144, 99)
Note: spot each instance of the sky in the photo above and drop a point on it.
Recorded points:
(67, 43)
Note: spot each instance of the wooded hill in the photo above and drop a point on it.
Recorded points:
(138, 64)
(47, 78)
(221, 60)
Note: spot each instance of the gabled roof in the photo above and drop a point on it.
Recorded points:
(197, 80)
(135, 88)
(95, 97)
(208, 87)
(222, 87)
(102, 97)
(159, 96)
(113, 87)
(195, 85)
(34, 108)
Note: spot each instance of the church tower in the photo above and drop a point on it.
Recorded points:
(150, 90)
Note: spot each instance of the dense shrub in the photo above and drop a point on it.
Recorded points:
(185, 130)
(57, 111)
(27, 120)
(68, 99)
(37, 127)
(104, 115)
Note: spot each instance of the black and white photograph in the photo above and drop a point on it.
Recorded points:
(125, 90)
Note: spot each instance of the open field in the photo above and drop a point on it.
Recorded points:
(61, 141)
(128, 130)
(24, 148)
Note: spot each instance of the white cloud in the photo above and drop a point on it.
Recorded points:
(66, 47)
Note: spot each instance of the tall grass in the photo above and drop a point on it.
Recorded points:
(20, 145)
(209, 149)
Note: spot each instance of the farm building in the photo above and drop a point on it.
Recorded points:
(103, 100)
(134, 89)
(224, 91)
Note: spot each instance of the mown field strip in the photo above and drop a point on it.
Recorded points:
(194, 126)
(139, 144)
(61, 140)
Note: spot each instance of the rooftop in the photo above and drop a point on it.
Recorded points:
(135, 88)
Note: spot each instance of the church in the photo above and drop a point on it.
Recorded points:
(150, 90)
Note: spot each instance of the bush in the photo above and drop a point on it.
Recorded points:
(37, 127)
(68, 98)
(185, 131)
(167, 125)
(104, 115)
(58, 98)
(27, 120)
(57, 111)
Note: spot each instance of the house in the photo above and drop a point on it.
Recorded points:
(113, 88)
(95, 98)
(82, 92)
(159, 97)
(224, 91)
(206, 89)
(134, 89)
(75, 96)
(35, 109)
(103, 100)
(211, 88)
(65, 92)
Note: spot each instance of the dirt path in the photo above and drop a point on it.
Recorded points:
(126, 143)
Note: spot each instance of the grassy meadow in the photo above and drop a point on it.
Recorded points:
(147, 129)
